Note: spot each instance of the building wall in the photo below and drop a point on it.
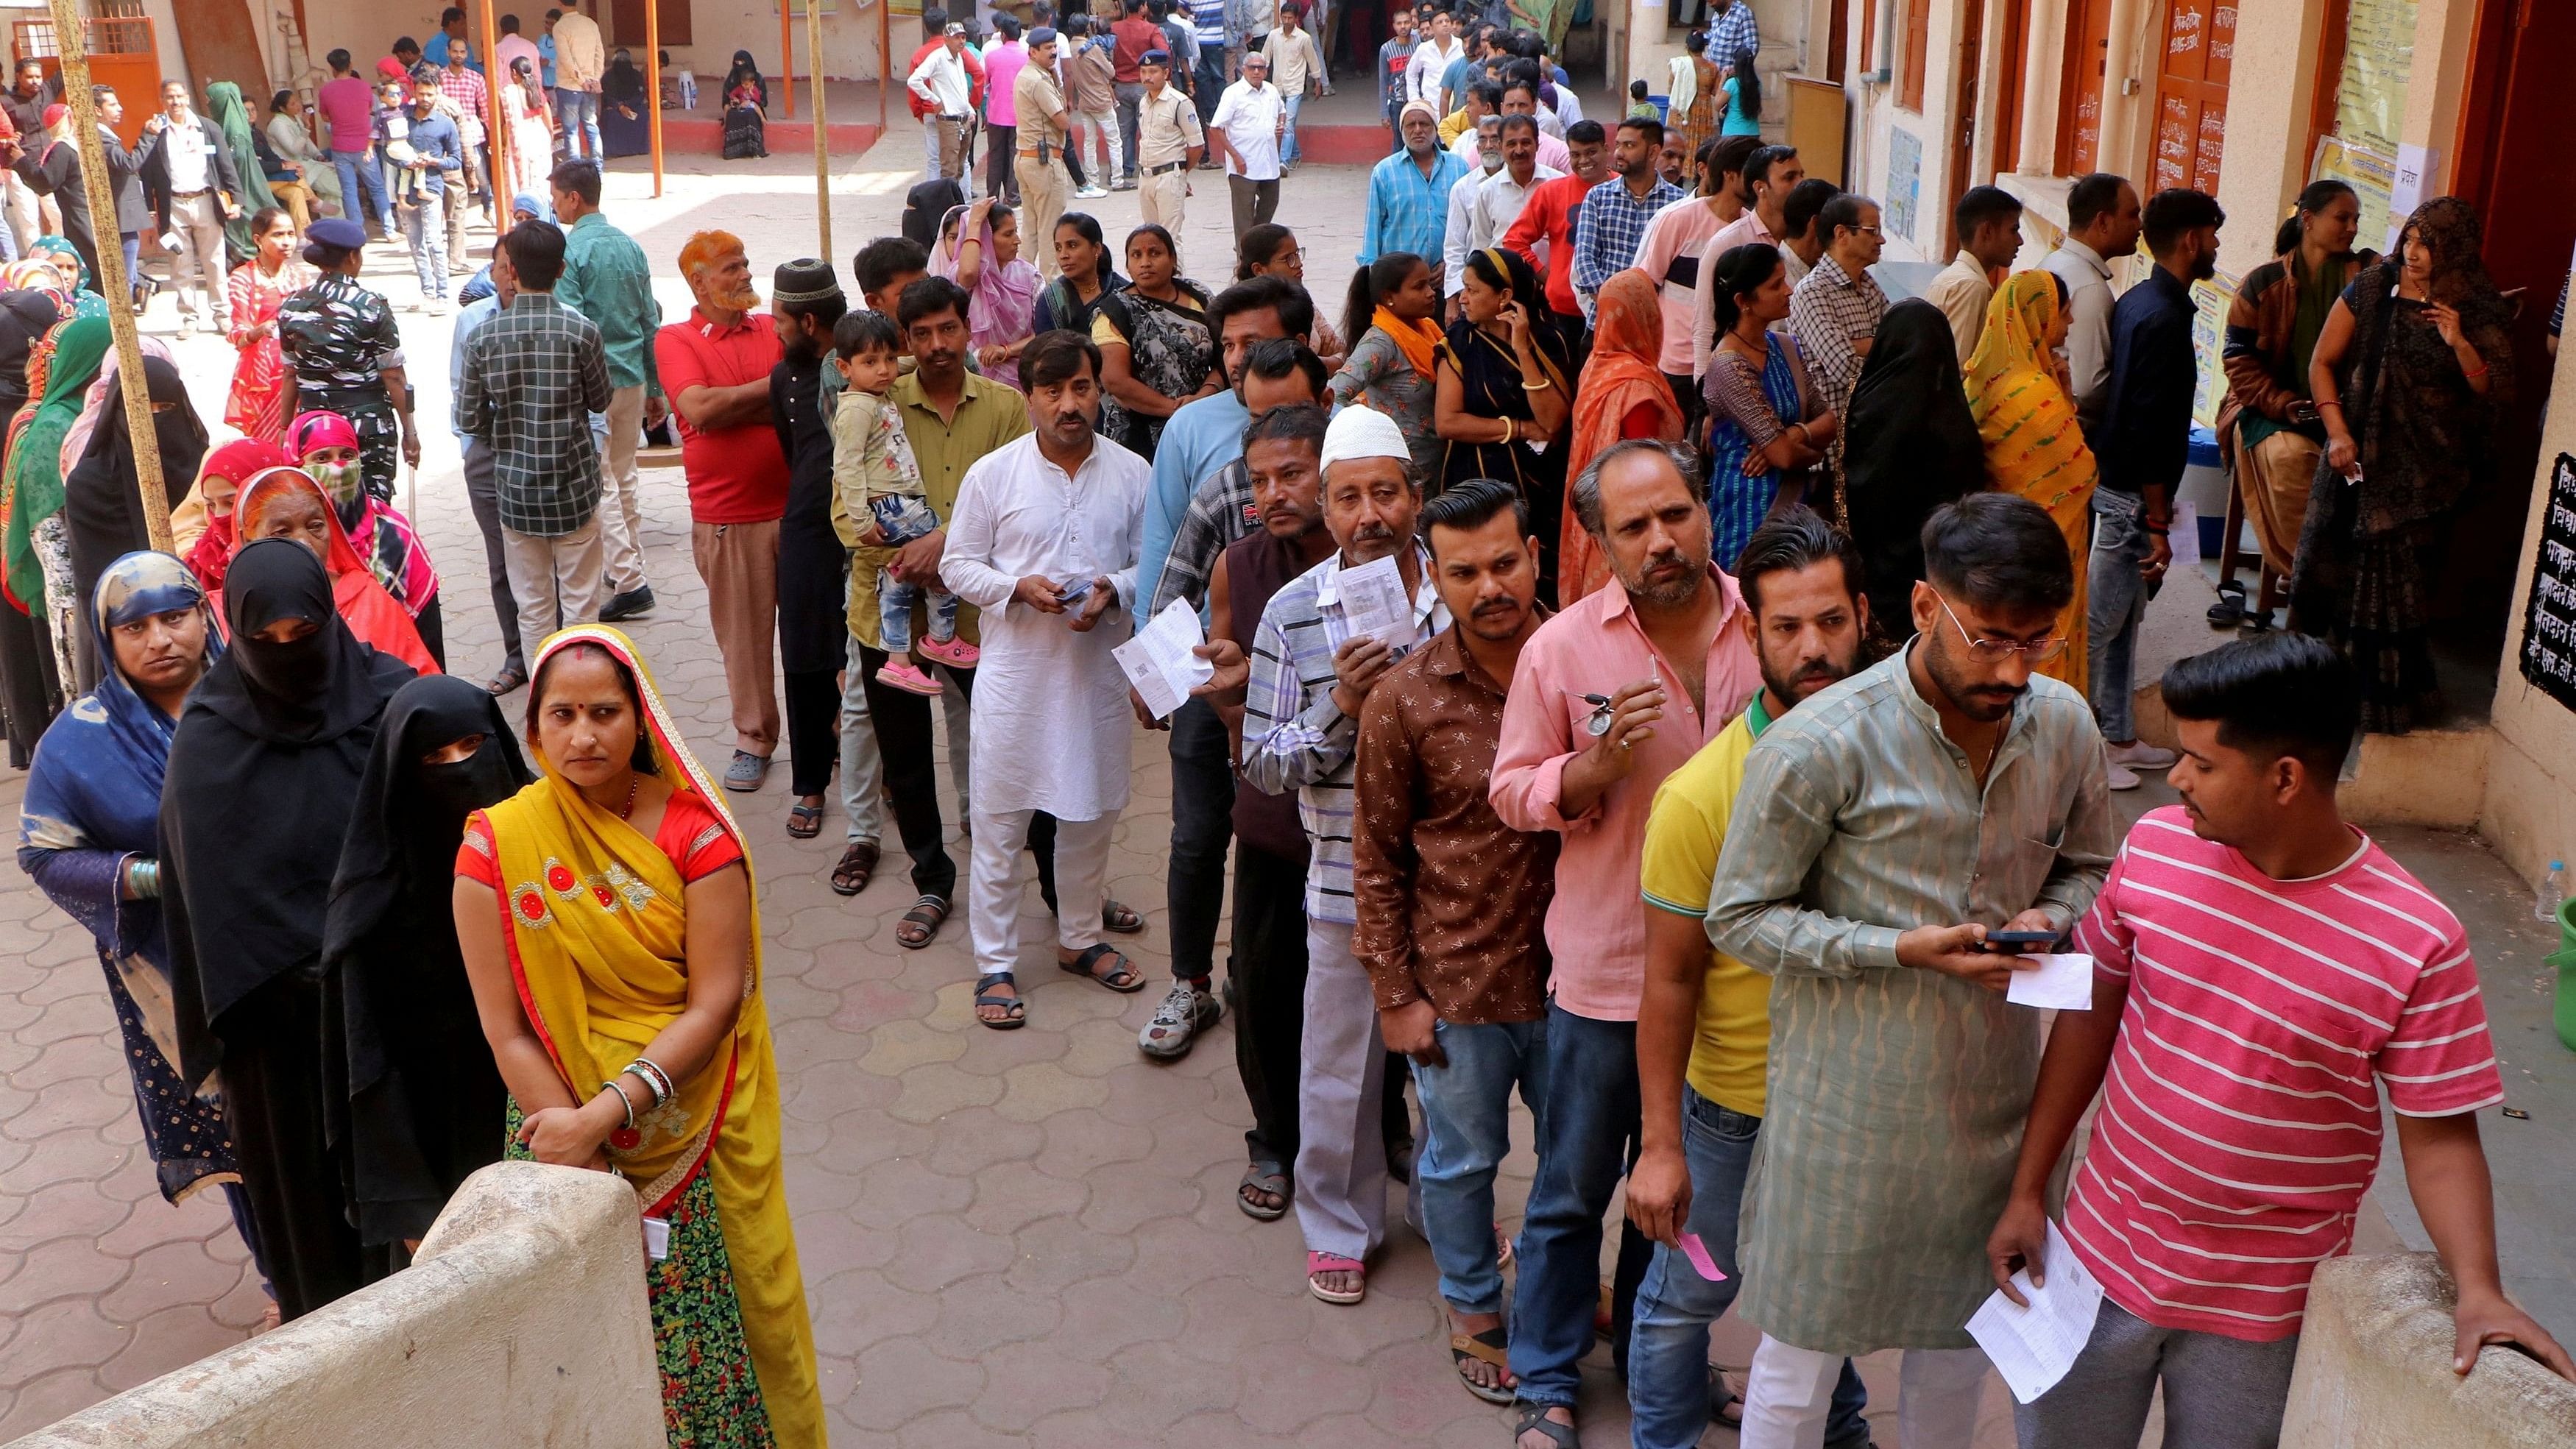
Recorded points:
(2530, 807)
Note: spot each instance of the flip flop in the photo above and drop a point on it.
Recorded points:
(1123, 980)
(985, 996)
(1266, 1177)
(1317, 1263)
(1491, 1346)
(804, 821)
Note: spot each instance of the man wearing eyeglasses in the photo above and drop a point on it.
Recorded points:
(1887, 825)
(1838, 305)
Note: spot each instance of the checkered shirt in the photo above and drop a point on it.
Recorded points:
(1609, 229)
(1828, 313)
(1406, 212)
(1735, 32)
(533, 376)
(1220, 512)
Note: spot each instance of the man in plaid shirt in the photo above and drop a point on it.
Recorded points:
(1733, 33)
(1613, 220)
(1838, 305)
(533, 376)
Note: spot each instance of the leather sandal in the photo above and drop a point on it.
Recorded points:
(920, 924)
(1123, 980)
(1534, 1416)
(1017, 1015)
(858, 866)
(1120, 917)
(1491, 1346)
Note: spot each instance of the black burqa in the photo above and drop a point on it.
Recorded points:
(29, 692)
(102, 503)
(813, 572)
(263, 781)
(415, 1103)
(1910, 445)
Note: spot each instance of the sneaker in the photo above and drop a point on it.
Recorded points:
(2121, 777)
(956, 653)
(1124, 183)
(1178, 1021)
(635, 601)
(2139, 755)
(904, 675)
(1090, 191)
(438, 307)
(187, 324)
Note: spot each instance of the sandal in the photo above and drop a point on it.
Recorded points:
(1502, 1247)
(1120, 917)
(1534, 1416)
(858, 866)
(510, 680)
(1017, 1010)
(1263, 1177)
(1319, 1263)
(804, 821)
(1490, 1346)
(920, 923)
(1123, 980)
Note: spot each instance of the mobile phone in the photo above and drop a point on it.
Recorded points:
(2012, 942)
(1073, 591)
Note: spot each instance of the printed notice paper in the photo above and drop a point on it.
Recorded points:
(1374, 602)
(2034, 1347)
(1158, 660)
(2063, 982)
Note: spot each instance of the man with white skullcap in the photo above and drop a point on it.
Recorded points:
(1309, 671)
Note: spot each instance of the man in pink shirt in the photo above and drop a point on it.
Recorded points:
(2262, 972)
(348, 103)
(1611, 695)
(1002, 62)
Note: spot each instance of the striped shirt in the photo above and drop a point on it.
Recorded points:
(1220, 512)
(2240, 1123)
(1408, 211)
(1296, 738)
(1895, 1096)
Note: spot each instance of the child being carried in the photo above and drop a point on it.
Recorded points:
(877, 484)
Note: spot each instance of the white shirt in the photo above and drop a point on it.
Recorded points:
(1251, 119)
(1482, 206)
(1453, 238)
(941, 80)
(1422, 74)
(2088, 334)
(1568, 109)
(1050, 728)
(183, 151)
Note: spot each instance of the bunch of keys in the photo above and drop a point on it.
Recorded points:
(1597, 723)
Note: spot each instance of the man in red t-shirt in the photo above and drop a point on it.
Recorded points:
(715, 368)
(1549, 217)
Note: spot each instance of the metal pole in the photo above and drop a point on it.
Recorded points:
(72, 42)
(653, 87)
(822, 147)
(497, 142)
(885, 61)
(786, 62)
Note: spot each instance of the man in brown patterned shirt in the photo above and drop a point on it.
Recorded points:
(1453, 903)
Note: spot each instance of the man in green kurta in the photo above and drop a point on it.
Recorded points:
(1883, 829)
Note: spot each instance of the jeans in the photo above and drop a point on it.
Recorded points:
(577, 114)
(1104, 152)
(1288, 147)
(358, 168)
(1211, 81)
(894, 617)
(1582, 1151)
(1131, 96)
(1466, 1130)
(1668, 1392)
(2116, 599)
(424, 228)
(483, 495)
(1202, 825)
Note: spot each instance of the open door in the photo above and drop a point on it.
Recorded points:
(219, 41)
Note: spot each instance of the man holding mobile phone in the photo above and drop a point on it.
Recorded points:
(1884, 829)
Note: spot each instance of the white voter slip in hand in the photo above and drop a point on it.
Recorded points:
(2063, 982)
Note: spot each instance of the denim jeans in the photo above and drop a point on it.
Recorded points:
(1288, 147)
(1202, 826)
(895, 599)
(1211, 80)
(1668, 1395)
(1591, 1071)
(2116, 599)
(1131, 96)
(1466, 1130)
(577, 117)
(424, 227)
(358, 168)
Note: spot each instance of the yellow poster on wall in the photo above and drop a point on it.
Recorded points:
(2209, 303)
(2378, 60)
(2372, 175)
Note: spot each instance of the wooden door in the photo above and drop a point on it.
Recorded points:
(2191, 93)
(1963, 121)
(626, 19)
(2008, 95)
(219, 43)
(2080, 94)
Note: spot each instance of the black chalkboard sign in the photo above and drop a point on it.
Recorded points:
(2549, 618)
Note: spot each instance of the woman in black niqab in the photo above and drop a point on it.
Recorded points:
(102, 507)
(262, 783)
(416, 1104)
(1910, 445)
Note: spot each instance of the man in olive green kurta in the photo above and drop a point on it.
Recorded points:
(1881, 829)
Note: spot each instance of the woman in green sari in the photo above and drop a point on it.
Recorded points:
(32, 543)
(225, 108)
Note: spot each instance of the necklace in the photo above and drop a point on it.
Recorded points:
(634, 782)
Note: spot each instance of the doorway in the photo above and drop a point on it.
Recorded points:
(1963, 121)
(2191, 93)
(2079, 106)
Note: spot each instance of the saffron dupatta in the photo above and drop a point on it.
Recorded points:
(594, 921)
(2034, 446)
(1620, 378)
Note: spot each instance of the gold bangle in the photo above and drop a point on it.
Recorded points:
(1542, 385)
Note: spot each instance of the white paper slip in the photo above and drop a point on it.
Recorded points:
(2063, 982)
(1374, 602)
(2034, 1347)
(1158, 660)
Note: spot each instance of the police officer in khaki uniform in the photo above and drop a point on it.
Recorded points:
(1040, 163)
(1169, 142)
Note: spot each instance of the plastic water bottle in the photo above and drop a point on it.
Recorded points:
(2553, 891)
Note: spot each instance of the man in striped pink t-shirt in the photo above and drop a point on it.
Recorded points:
(2262, 972)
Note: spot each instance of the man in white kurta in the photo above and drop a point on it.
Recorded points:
(1055, 513)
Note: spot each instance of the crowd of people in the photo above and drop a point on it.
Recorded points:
(1698, 758)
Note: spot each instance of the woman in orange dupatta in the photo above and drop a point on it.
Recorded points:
(611, 932)
(287, 503)
(2027, 422)
(1622, 395)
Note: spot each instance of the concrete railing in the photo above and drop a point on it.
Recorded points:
(2375, 1370)
(520, 1322)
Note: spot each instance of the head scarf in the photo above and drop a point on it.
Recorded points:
(27, 313)
(93, 406)
(288, 724)
(2450, 228)
(377, 531)
(390, 69)
(224, 107)
(624, 81)
(27, 273)
(236, 463)
(404, 1054)
(1006, 293)
(1910, 444)
(743, 70)
(375, 616)
(1620, 377)
(85, 292)
(95, 785)
(59, 371)
(102, 499)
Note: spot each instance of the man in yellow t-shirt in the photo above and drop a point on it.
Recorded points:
(1704, 1023)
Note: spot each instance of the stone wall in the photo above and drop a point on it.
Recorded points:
(2375, 1370)
(521, 1322)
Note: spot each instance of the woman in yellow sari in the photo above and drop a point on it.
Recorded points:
(609, 928)
(2027, 421)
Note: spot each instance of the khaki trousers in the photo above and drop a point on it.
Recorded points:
(739, 562)
(621, 514)
(2274, 477)
(199, 224)
(554, 581)
(1042, 188)
(951, 131)
(1164, 198)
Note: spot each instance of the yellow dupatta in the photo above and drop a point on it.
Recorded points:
(2034, 445)
(595, 922)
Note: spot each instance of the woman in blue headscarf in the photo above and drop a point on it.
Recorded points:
(89, 835)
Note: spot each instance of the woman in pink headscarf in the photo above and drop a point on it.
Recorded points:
(979, 249)
(325, 446)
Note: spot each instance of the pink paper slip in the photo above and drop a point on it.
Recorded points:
(1697, 1252)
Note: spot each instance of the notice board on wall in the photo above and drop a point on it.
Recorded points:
(2378, 61)
(1904, 198)
(2549, 615)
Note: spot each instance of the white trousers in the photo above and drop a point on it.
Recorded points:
(1789, 1389)
(1341, 1139)
(994, 891)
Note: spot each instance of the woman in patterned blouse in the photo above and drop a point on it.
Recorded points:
(343, 354)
